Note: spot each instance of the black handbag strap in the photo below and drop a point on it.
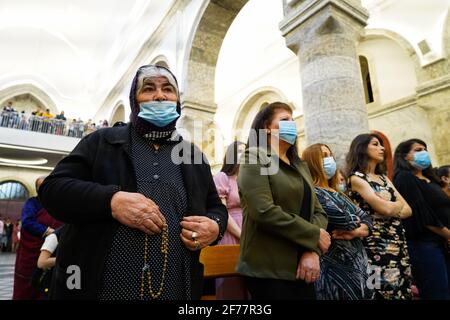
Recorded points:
(305, 209)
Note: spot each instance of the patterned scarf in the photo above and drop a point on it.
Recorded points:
(144, 128)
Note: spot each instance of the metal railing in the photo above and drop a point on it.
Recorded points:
(15, 120)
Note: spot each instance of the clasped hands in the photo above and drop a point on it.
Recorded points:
(308, 268)
(137, 211)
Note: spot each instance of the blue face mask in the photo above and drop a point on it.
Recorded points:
(342, 187)
(421, 160)
(329, 166)
(159, 113)
(288, 131)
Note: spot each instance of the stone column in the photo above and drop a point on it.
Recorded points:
(323, 34)
(196, 124)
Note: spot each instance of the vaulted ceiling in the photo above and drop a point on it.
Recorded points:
(73, 49)
(77, 50)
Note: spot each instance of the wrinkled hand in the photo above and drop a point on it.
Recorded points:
(324, 240)
(137, 211)
(308, 268)
(206, 229)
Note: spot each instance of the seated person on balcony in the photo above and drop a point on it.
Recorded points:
(140, 202)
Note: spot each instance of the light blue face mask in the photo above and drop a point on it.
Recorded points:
(159, 113)
(329, 166)
(421, 160)
(342, 187)
(287, 131)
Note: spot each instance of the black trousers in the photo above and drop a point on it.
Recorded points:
(275, 289)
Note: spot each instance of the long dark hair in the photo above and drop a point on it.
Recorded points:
(400, 163)
(231, 162)
(261, 122)
(443, 171)
(357, 158)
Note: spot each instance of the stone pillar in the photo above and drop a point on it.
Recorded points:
(323, 34)
(196, 124)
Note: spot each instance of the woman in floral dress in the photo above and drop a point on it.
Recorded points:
(372, 191)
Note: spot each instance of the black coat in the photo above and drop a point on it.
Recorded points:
(79, 191)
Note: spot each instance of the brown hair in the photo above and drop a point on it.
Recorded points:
(313, 157)
(231, 161)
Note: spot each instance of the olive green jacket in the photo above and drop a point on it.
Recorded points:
(273, 230)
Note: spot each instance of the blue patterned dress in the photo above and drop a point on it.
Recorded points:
(344, 268)
(386, 247)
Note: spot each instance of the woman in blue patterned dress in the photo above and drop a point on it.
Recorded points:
(343, 269)
(374, 193)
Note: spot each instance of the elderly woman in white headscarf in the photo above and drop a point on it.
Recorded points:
(137, 206)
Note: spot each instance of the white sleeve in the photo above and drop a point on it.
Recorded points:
(50, 243)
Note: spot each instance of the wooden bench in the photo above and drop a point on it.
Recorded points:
(219, 262)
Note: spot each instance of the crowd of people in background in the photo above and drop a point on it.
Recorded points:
(44, 121)
(9, 234)
(307, 229)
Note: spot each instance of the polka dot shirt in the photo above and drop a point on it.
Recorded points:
(159, 179)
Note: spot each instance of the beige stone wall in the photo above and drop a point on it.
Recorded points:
(391, 70)
(25, 176)
(403, 121)
(426, 118)
(440, 121)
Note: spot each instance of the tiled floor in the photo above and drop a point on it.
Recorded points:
(7, 261)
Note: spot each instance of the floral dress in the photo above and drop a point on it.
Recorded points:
(386, 246)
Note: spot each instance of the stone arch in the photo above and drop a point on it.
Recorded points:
(366, 78)
(11, 207)
(407, 65)
(371, 34)
(117, 113)
(33, 91)
(446, 35)
(251, 105)
(203, 49)
(161, 60)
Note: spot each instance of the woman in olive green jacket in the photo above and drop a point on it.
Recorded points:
(284, 225)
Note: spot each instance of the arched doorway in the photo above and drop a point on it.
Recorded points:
(26, 102)
(201, 56)
(161, 61)
(26, 97)
(366, 79)
(118, 115)
(250, 107)
(13, 195)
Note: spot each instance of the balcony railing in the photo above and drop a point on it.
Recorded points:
(12, 119)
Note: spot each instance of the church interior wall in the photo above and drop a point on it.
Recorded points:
(25, 176)
(391, 70)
